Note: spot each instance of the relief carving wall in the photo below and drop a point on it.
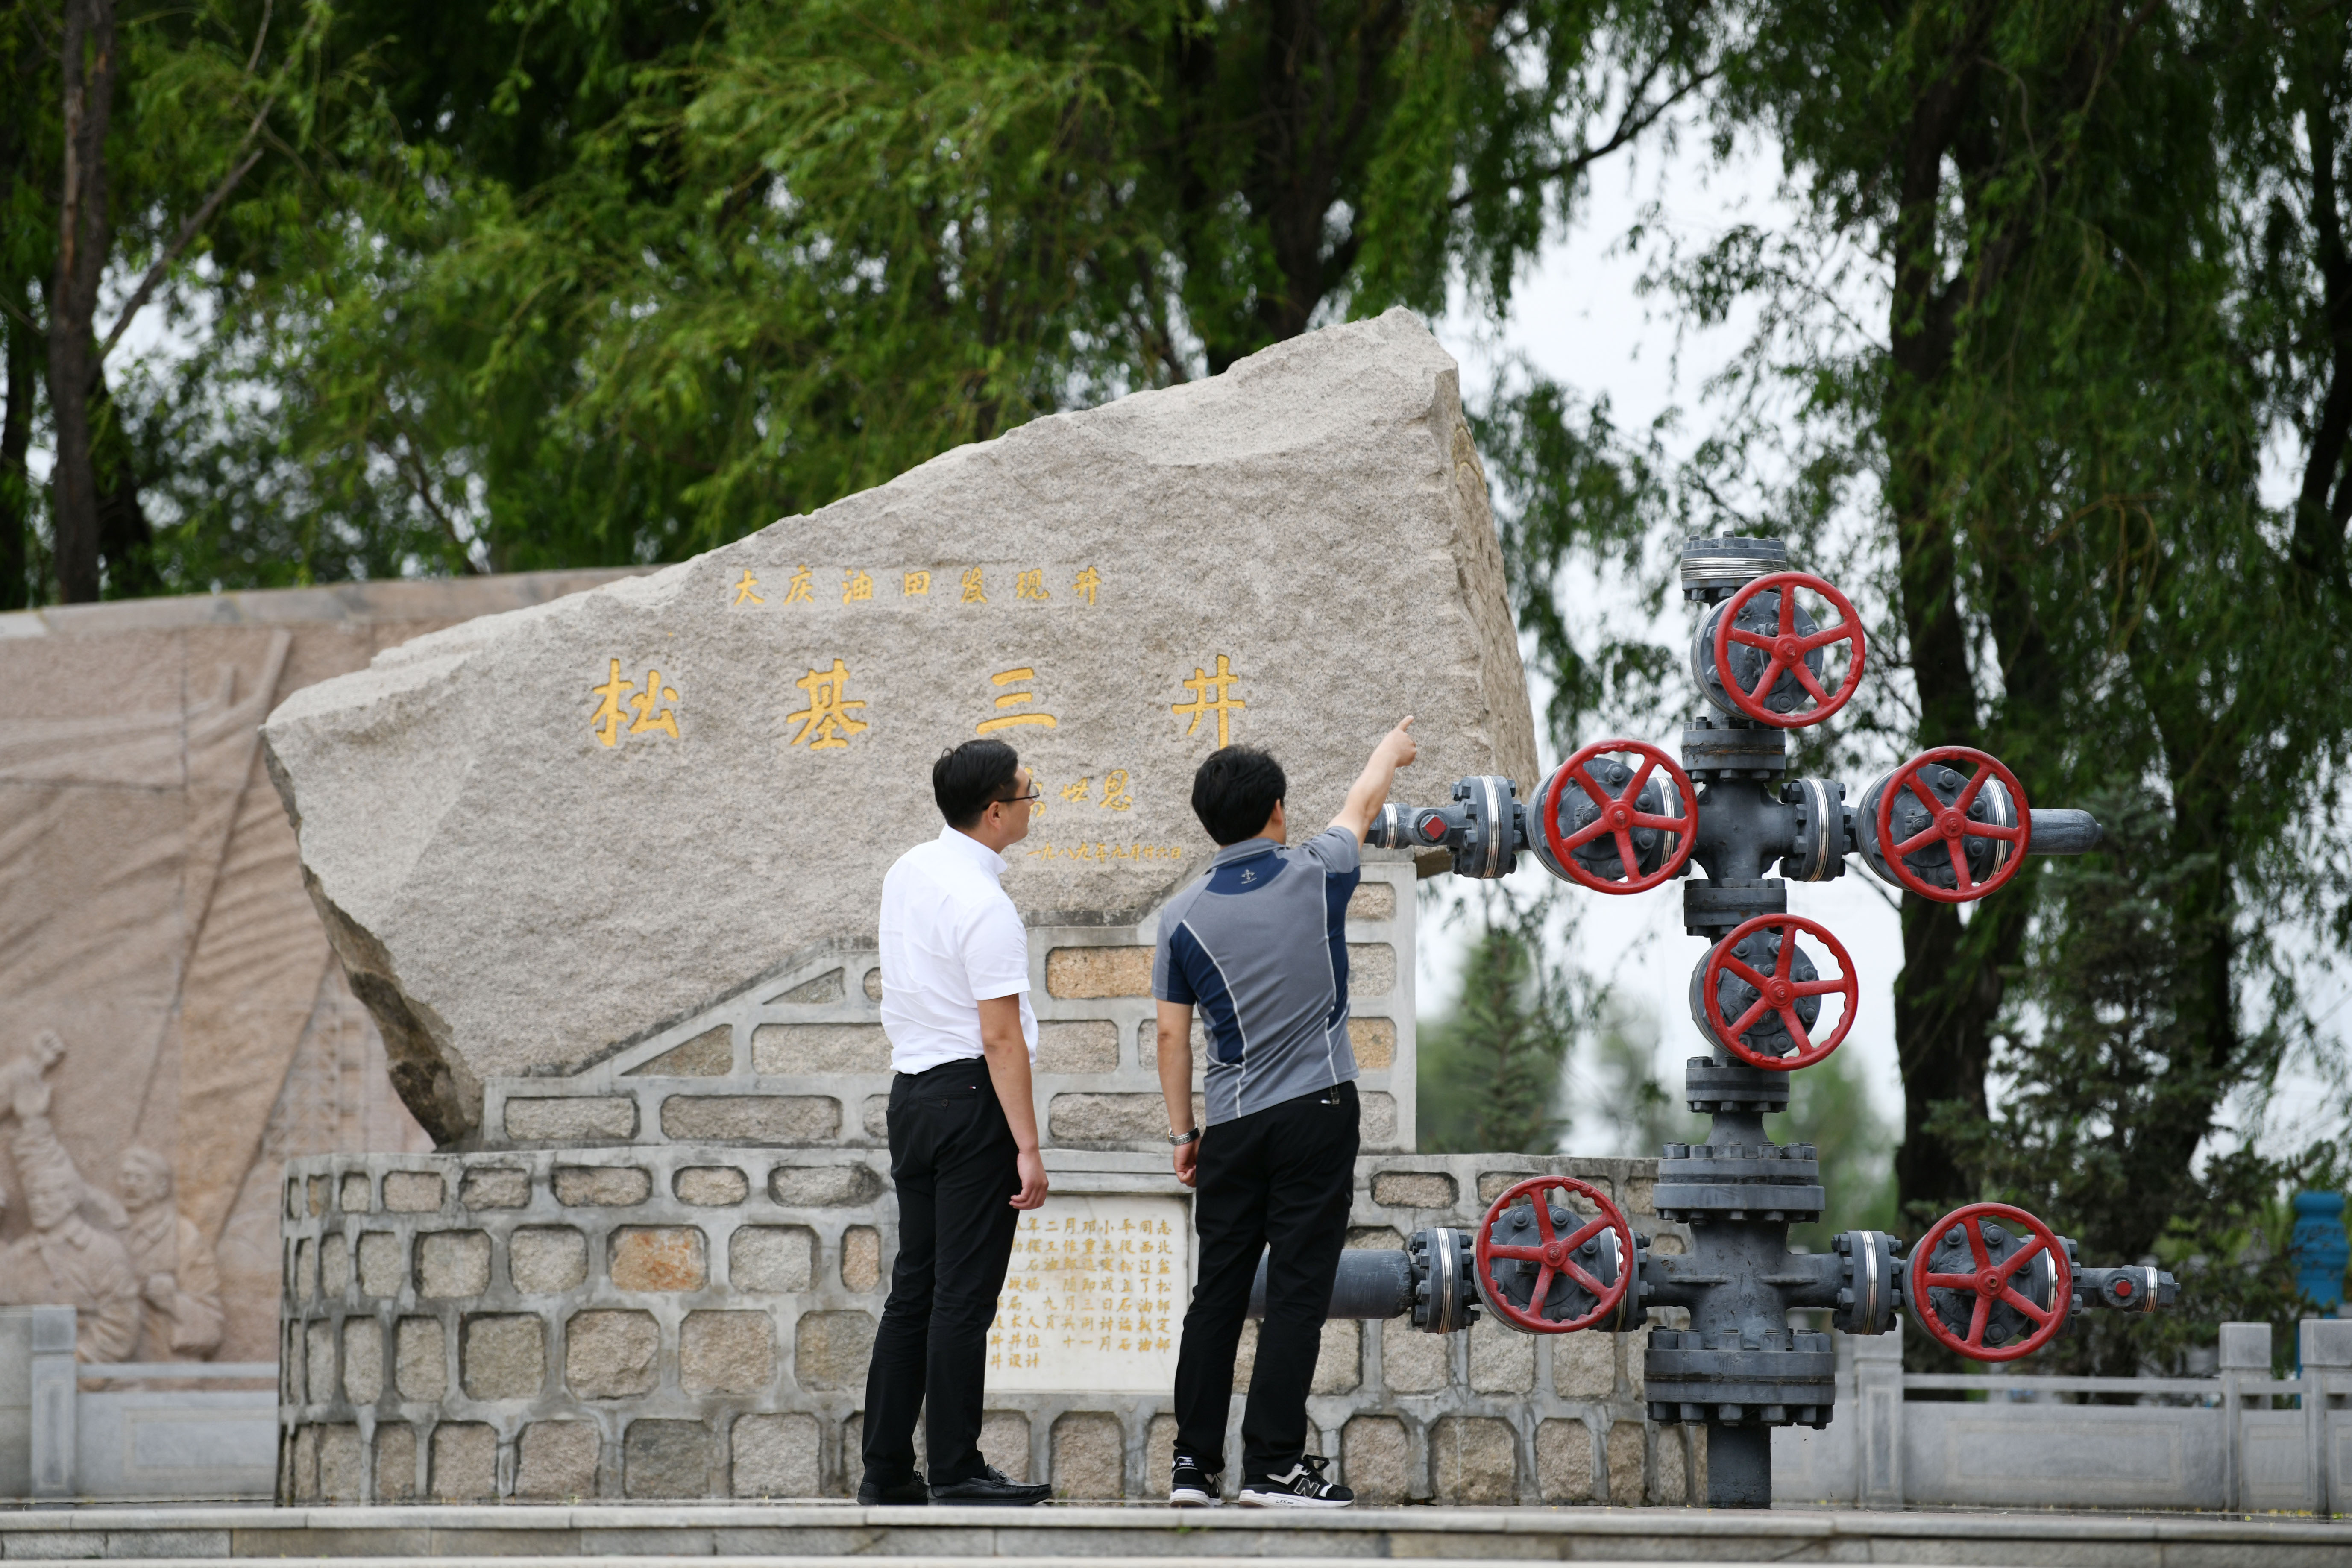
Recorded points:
(172, 1025)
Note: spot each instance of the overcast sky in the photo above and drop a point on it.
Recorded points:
(1580, 319)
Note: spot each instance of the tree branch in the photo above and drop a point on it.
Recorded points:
(1638, 118)
(405, 455)
(203, 215)
(181, 241)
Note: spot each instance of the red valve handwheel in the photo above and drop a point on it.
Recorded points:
(1554, 1256)
(1618, 815)
(1990, 1282)
(1785, 651)
(1951, 823)
(1777, 993)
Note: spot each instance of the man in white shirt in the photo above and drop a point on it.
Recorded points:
(963, 1131)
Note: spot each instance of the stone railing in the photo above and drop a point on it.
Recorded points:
(681, 1321)
(2240, 1441)
(126, 1431)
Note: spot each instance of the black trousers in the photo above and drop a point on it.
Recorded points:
(952, 1159)
(1280, 1178)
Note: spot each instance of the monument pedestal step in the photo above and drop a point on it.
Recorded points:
(779, 1535)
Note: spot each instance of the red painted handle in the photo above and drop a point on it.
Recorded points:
(1951, 823)
(1619, 814)
(1989, 1283)
(1553, 1254)
(1785, 650)
(1777, 993)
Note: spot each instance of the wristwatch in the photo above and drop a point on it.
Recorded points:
(1179, 1139)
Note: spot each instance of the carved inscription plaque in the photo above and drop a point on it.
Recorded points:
(1095, 1297)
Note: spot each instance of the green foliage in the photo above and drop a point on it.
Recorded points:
(528, 284)
(1621, 1086)
(1490, 1069)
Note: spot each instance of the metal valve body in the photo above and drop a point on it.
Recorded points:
(1989, 1281)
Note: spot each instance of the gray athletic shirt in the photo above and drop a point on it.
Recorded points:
(1259, 945)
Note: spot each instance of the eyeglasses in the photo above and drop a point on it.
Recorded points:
(1017, 799)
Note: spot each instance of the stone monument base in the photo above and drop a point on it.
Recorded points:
(687, 1321)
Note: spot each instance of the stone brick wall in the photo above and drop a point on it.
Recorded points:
(682, 1320)
(799, 1057)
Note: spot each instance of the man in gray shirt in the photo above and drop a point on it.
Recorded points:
(1259, 944)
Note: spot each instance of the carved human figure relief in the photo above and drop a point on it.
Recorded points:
(24, 1084)
(67, 1260)
(179, 1281)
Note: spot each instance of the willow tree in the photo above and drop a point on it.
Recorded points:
(2101, 247)
(616, 283)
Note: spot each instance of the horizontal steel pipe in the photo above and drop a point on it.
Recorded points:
(1370, 1284)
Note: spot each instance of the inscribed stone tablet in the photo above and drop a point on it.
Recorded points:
(1095, 1296)
(540, 835)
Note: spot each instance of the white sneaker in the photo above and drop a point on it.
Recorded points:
(1304, 1486)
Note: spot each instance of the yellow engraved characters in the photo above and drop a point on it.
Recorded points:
(826, 723)
(1003, 721)
(857, 585)
(1212, 694)
(1114, 797)
(651, 705)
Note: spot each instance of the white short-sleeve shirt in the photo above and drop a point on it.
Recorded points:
(951, 940)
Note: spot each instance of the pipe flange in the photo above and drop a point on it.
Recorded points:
(1716, 568)
(1719, 750)
(1710, 1086)
(1785, 1163)
(1869, 1293)
(1822, 833)
(1445, 1296)
(1715, 905)
(1735, 1202)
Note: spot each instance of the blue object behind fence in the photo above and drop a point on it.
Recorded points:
(2320, 1248)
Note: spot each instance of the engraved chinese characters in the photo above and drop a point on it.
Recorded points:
(857, 585)
(651, 706)
(1013, 686)
(827, 723)
(1095, 1296)
(1212, 694)
(829, 718)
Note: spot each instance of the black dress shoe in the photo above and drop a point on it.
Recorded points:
(992, 1486)
(908, 1493)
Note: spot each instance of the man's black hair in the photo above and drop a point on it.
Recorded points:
(1235, 791)
(965, 780)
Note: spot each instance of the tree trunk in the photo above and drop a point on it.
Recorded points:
(126, 540)
(16, 435)
(1941, 1012)
(88, 70)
